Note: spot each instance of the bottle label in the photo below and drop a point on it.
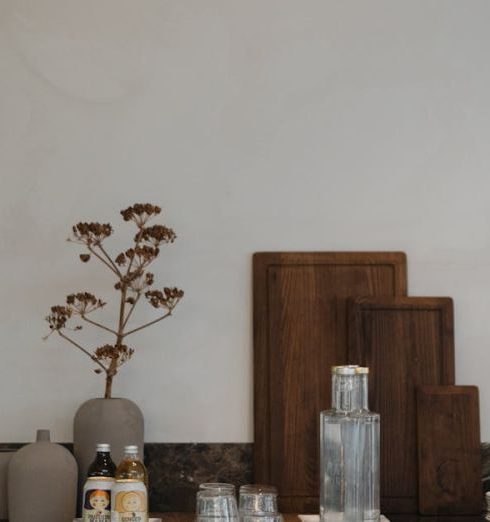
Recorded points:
(131, 506)
(97, 505)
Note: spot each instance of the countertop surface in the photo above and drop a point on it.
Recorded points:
(189, 517)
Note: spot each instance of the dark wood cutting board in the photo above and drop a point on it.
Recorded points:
(448, 421)
(300, 331)
(406, 342)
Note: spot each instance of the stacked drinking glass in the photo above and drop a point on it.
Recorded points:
(216, 502)
(259, 504)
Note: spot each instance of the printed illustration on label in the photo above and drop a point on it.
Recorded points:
(131, 506)
(97, 505)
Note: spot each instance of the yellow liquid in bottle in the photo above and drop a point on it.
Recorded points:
(132, 469)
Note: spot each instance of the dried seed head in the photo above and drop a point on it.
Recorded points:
(91, 233)
(156, 235)
(108, 353)
(166, 299)
(140, 213)
(58, 317)
(121, 259)
(84, 302)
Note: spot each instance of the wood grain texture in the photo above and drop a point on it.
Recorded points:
(300, 331)
(448, 420)
(406, 342)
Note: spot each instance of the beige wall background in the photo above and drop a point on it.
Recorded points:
(257, 125)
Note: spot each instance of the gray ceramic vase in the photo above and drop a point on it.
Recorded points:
(118, 422)
(42, 482)
(5, 457)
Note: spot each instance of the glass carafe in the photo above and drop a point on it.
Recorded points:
(349, 452)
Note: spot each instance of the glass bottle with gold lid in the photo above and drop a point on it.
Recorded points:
(349, 452)
(129, 498)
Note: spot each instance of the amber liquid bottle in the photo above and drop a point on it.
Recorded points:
(131, 467)
(97, 490)
(129, 499)
(102, 466)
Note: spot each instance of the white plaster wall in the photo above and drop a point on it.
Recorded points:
(257, 125)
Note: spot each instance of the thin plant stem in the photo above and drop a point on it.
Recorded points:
(148, 324)
(112, 371)
(136, 244)
(109, 259)
(122, 314)
(86, 352)
(95, 323)
(98, 256)
(133, 306)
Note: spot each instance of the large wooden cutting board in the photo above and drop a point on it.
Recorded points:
(300, 331)
(448, 421)
(406, 342)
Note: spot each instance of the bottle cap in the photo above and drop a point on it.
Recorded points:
(103, 448)
(131, 449)
(344, 370)
(362, 370)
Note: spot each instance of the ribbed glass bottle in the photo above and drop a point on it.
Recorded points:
(349, 452)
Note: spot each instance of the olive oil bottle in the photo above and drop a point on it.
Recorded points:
(129, 498)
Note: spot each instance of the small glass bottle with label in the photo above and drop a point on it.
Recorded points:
(129, 499)
(97, 489)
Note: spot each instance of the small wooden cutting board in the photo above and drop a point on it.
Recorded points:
(448, 425)
(406, 342)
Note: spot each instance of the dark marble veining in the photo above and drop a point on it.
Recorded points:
(176, 470)
(485, 463)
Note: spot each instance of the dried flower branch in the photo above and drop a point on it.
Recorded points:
(132, 282)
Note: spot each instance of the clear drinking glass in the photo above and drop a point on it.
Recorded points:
(258, 499)
(218, 486)
(269, 517)
(216, 506)
(258, 503)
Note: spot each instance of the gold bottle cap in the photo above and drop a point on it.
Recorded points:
(344, 370)
(362, 370)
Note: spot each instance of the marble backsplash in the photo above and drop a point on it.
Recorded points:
(176, 470)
